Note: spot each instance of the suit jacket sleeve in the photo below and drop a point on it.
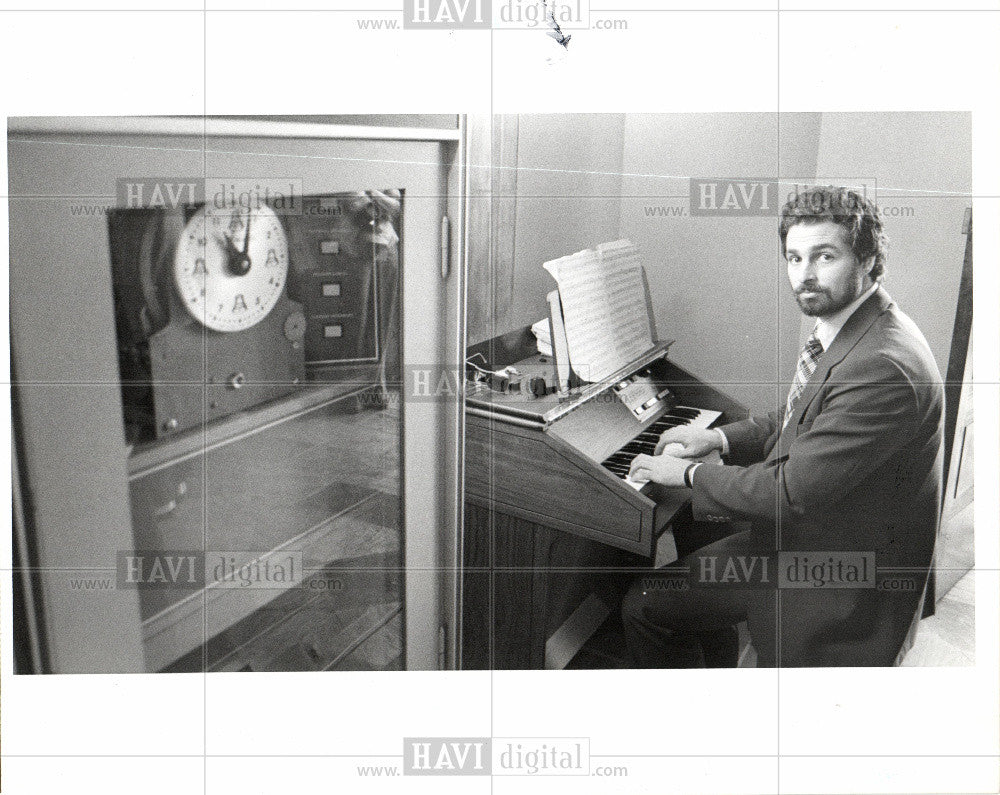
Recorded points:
(748, 438)
(866, 416)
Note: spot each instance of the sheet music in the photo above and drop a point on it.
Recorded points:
(560, 347)
(604, 307)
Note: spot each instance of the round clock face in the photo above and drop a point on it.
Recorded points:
(230, 266)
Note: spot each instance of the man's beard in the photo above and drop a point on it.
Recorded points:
(821, 303)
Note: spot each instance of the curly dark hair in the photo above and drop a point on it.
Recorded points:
(857, 214)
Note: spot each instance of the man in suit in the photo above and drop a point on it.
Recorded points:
(841, 489)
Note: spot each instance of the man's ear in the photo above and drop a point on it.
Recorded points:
(867, 264)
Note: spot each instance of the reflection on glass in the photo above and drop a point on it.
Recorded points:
(268, 453)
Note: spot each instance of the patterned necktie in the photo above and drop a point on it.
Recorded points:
(808, 358)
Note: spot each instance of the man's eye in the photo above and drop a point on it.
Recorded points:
(826, 257)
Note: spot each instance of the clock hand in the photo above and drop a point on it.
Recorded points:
(237, 262)
(234, 257)
(246, 243)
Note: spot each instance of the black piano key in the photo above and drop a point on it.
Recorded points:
(666, 422)
(684, 411)
(674, 419)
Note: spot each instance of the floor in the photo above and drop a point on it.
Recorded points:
(949, 636)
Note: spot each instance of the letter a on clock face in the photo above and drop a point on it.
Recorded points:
(231, 265)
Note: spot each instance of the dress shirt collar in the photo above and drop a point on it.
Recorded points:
(827, 328)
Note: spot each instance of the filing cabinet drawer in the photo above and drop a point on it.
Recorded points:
(341, 338)
(337, 292)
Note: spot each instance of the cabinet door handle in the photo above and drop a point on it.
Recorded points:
(445, 247)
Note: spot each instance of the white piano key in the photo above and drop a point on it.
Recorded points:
(704, 419)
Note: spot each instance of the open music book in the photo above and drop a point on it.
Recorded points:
(604, 309)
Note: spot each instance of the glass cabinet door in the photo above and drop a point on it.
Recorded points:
(224, 430)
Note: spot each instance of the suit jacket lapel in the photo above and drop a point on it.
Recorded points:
(852, 331)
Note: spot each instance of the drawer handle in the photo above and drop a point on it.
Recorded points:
(167, 507)
(171, 505)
